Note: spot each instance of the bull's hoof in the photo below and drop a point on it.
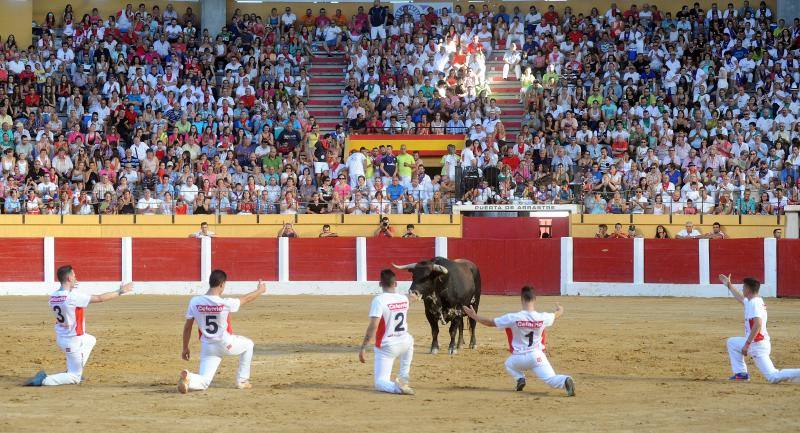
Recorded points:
(434, 351)
(453, 351)
(473, 345)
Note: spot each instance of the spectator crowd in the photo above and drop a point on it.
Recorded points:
(625, 111)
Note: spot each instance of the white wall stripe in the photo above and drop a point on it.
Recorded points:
(440, 247)
(361, 259)
(653, 289)
(362, 288)
(283, 259)
(770, 267)
(205, 258)
(638, 260)
(127, 259)
(49, 259)
(566, 264)
(704, 262)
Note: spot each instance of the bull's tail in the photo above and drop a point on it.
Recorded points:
(476, 275)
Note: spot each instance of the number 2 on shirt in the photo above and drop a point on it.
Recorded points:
(400, 319)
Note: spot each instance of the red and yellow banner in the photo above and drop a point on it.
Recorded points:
(430, 147)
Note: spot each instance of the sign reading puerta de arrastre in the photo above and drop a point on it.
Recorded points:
(416, 10)
(516, 208)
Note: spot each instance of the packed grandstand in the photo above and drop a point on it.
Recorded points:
(641, 111)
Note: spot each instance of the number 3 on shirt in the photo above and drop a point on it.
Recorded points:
(211, 325)
(400, 318)
(59, 316)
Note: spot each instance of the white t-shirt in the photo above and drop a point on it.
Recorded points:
(355, 164)
(68, 307)
(392, 308)
(189, 193)
(200, 234)
(755, 308)
(525, 330)
(150, 206)
(684, 234)
(212, 315)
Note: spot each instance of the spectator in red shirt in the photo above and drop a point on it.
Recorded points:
(322, 20)
(618, 233)
(551, 16)
(430, 18)
(374, 125)
(511, 160)
(27, 75)
(632, 12)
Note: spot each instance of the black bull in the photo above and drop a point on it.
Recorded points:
(445, 286)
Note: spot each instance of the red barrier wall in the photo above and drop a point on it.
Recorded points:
(507, 265)
(602, 260)
(789, 267)
(166, 259)
(329, 259)
(513, 227)
(682, 266)
(382, 252)
(22, 259)
(245, 259)
(94, 259)
(739, 257)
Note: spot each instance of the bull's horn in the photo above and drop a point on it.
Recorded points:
(408, 266)
(440, 268)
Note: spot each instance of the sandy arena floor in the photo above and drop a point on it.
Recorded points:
(640, 365)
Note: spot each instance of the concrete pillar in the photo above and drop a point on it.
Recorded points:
(788, 10)
(792, 213)
(213, 15)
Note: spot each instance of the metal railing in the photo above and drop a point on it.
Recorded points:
(230, 203)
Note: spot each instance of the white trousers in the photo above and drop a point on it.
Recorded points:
(384, 361)
(519, 39)
(354, 179)
(77, 349)
(517, 70)
(211, 354)
(376, 31)
(760, 353)
(536, 361)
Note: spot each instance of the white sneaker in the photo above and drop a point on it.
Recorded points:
(244, 385)
(405, 389)
(183, 382)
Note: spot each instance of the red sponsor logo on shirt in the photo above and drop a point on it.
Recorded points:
(398, 306)
(205, 309)
(529, 324)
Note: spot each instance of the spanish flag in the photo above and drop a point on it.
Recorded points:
(431, 148)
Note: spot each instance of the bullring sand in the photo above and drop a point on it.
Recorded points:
(640, 365)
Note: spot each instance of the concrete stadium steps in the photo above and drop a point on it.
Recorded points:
(319, 59)
(499, 79)
(322, 90)
(327, 82)
(326, 70)
(323, 112)
(325, 79)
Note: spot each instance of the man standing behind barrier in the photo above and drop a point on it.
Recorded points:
(377, 21)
